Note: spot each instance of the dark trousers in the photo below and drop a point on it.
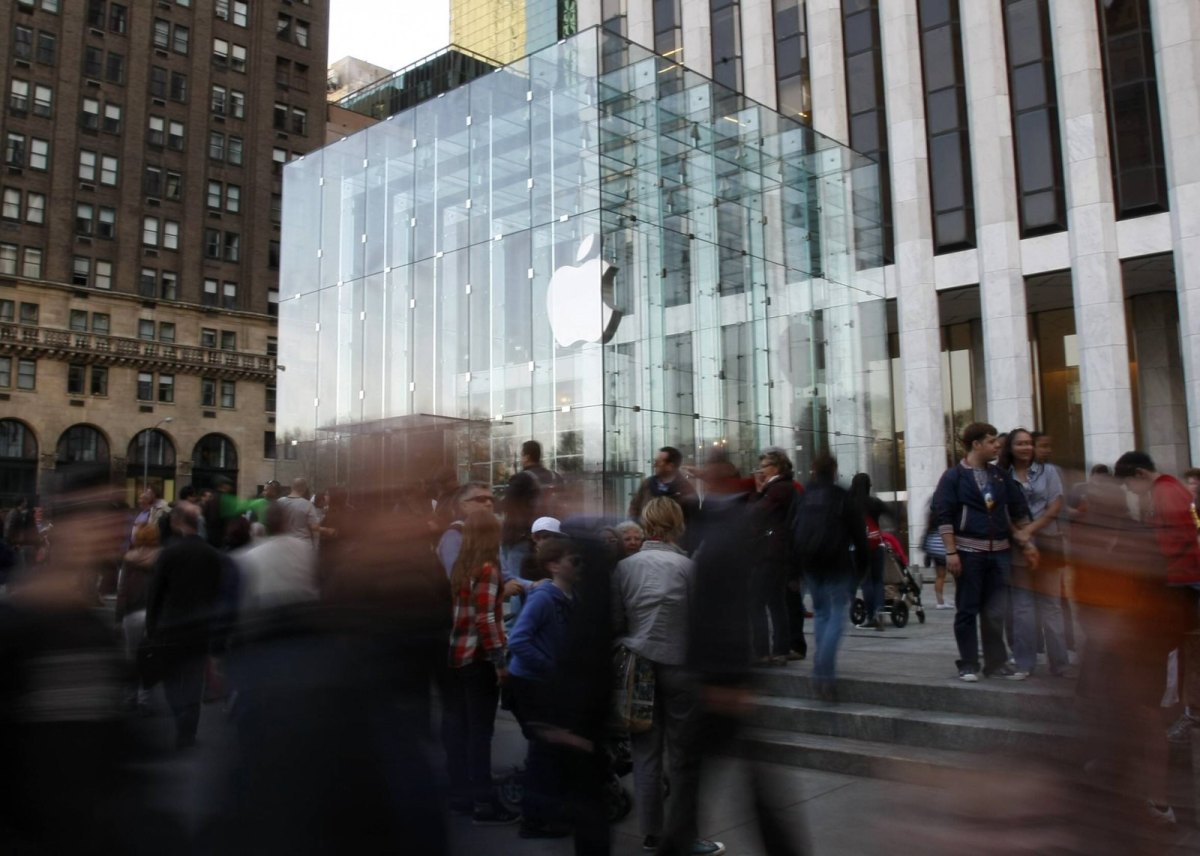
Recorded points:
(470, 711)
(767, 598)
(794, 598)
(183, 684)
(872, 584)
(543, 799)
(980, 598)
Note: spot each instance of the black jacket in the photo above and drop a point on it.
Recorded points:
(769, 513)
(679, 489)
(183, 591)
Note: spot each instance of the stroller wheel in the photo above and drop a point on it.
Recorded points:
(900, 613)
(858, 611)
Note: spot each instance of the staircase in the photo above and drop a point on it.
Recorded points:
(907, 727)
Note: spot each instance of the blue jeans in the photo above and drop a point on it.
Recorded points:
(979, 597)
(872, 585)
(831, 597)
(1033, 610)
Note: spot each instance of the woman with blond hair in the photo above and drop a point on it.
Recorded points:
(651, 597)
(477, 668)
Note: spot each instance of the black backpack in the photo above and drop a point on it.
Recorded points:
(816, 524)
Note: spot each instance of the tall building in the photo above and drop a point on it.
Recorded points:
(144, 145)
(1041, 199)
(350, 73)
(506, 30)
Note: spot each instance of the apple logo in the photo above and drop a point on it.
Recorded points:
(579, 299)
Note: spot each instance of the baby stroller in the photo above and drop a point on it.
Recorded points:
(902, 591)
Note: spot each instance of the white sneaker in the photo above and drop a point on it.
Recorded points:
(944, 606)
(968, 676)
(1018, 675)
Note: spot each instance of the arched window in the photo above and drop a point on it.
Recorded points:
(150, 460)
(18, 462)
(81, 444)
(213, 457)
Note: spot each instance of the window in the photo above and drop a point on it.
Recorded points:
(157, 134)
(269, 399)
(30, 313)
(233, 247)
(228, 393)
(87, 165)
(214, 195)
(23, 42)
(6, 311)
(236, 13)
(272, 346)
(269, 449)
(152, 181)
(209, 297)
(180, 39)
(150, 228)
(1137, 160)
(145, 386)
(162, 33)
(104, 275)
(233, 198)
(178, 86)
(108, 171)
(31, 266)
(39, 153)
(148, 282)
(146, 329)
(95, 13)
(863, 59)
(5, 372)
(170, 285)
(273, 254)
(81, 270)
(99, 380)
(280, 116)
(35, 207)
(75, 379)
(11, 208)
(79, 320)
(279, 157)
(228, 340)
(299, 121)
(118, 18)
(237, 104)
(302, 33)
(273, 302)
(89, 114)
(220, 52)
(212, 244)
(158, 82)
(276, 208)
(175, 136)
(47, 48)
(727, 43)
(114, 68)
(27, 374)
(84, 218)
(946, 128)
(43, 101)
(208, 393)
(93, 61)
(219, 100)
(166, 333)
(18, 95)
(216, 146)
(8, 259)
(170, 234)
(112, 118)
(166, 388)
(229, 295)
(234, 155)
(106, 222)
(14, 149)
(283, 27)
(100, 323)
(173, 186)
(208, 337)
(237, 57)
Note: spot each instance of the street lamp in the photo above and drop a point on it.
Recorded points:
(146, 450)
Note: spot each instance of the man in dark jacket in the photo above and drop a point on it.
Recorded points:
(979, 510)
(667, 481)
(528, 496)
(183, 596)
(832, 551)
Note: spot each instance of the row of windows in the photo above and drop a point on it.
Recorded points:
(20, 373)
(115, 15)
(29, 312)
(291, 119)
(165, 132)
(93, 118)
(169, 35)
(228, 102)
(20, 261)
(236, 12)
(168, 84)
(15, 201)
(50, 6)
(19, 98)
(97, 220)
(91, 273)
(97, 63)
(229, 55)
(26, 373)
(93, 165)
(21, 151)
(294, 30)
(38, 45)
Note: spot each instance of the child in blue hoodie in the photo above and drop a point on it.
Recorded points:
(535, 645)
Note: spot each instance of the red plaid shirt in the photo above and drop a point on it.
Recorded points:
(478, 631)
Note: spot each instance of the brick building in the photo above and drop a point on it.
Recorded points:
(143, 146)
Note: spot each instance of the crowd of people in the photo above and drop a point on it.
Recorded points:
(343, 635)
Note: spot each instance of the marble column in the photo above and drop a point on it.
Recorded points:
(1095, 266)
(1006, 357)
(920, 334)
(1176, 25)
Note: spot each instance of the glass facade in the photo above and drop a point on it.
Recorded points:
(583, 251)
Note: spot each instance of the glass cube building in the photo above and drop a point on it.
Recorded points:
(592, 247)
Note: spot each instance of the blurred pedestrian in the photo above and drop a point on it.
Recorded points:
(873, 511)
(772, 559)
(530, 494)
(477, 669)
(133, 585)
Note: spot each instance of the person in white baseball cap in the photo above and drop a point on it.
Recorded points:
(546, 527)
